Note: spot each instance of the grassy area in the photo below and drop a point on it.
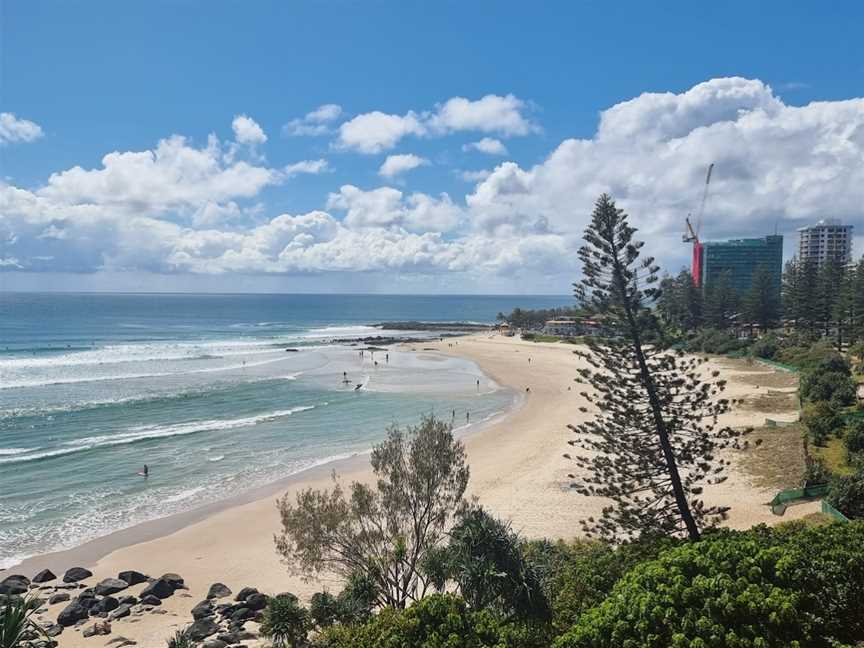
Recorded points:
(772, 401)
(833, 456)
(777, 463)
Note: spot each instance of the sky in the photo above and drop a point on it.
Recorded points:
(410, 147)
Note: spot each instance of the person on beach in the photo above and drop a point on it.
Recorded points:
(478, 384)
(467, 417)
(387, 358)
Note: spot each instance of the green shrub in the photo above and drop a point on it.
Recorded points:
(180, 640)
(357, 600)
(853, 438)
(436, 621)
(715, 341)
(286, 623)
(829, 380)
(16, 622)
(822, 421)
(766, 347)
(323, 609)
(847, 494)
(484, 558)
(816, 473)
(578, 575)
(801, 352)
(792, 588)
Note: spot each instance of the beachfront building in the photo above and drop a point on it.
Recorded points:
(827, 240)
(563, 327)
(739, 259)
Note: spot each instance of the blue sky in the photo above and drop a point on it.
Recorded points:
(726, 81)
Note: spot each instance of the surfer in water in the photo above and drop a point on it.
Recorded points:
(145, 472)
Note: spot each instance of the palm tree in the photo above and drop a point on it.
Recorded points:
(16, 620)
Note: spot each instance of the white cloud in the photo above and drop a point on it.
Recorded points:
(475, 176)
(13, 129)
(247, 131)
(490, 114)
(313, 123)
(181, 208)
(488, 145)
(377, 131)
(388, 207)
(396, 164)
(775, 165)
(306, 166)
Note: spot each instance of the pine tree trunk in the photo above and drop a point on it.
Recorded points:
(659, 423)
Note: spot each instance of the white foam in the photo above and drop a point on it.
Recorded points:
(216, 458)
(5, 452)
(146, 432)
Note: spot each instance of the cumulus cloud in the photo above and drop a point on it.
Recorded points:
(247, 131)
(490, 114)
(306, 166)
(774, 165)
(313, 123)
(180, 208)
(389, 207)
(376, 131)
(487, 145)
(13, 129)
(396, 164)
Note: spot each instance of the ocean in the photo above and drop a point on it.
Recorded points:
(202, 390)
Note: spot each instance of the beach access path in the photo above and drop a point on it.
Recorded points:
(517, 472)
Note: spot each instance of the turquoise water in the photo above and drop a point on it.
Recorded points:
(201, 389)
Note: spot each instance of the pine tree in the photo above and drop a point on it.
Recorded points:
(721, 302)
(790, 291)
(680, 302)
(653, 440)
(760, 303)
(828, 280)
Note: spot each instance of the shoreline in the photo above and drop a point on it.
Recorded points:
(91, 551)
(518, 473)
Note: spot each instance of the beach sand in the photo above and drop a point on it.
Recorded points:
(517, 472)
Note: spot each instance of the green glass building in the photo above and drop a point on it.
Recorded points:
(740, 258)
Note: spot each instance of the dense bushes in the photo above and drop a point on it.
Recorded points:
(436, 621)
(847, 494)
(853, 438)
(829, 380)
(822, 421)
(799, 587)
(715, 341)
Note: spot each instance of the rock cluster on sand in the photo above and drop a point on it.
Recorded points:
(77, 606)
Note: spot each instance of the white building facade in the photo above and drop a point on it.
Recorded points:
(826, 240)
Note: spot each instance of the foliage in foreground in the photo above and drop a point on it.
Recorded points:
(16, 620)
(382, 533)
(436, 621)
(286, 623)
(784, 588)
(846, 494)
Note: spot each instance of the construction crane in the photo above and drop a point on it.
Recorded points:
(691, 232)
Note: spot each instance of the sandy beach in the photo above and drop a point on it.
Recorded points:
(517, 471)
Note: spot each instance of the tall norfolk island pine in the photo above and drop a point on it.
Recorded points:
(653, 442)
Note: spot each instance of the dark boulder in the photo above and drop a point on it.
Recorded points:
(110, 586)
(256, 601)
(59, 597)
(54, 630)
(160, 588)
(175, 579)
(86, 601)
(201, 629)
(214, 643)
(44, 576)
(76, 574)
(13, 588)
(128, 600)
(149, 599)
(202, 610)
(72, 614)
(218, 590)
(122, 610)
(229, 638)
(103, 606)
(132, 577)
(241, 614)
(87, 593)
(244, 593)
